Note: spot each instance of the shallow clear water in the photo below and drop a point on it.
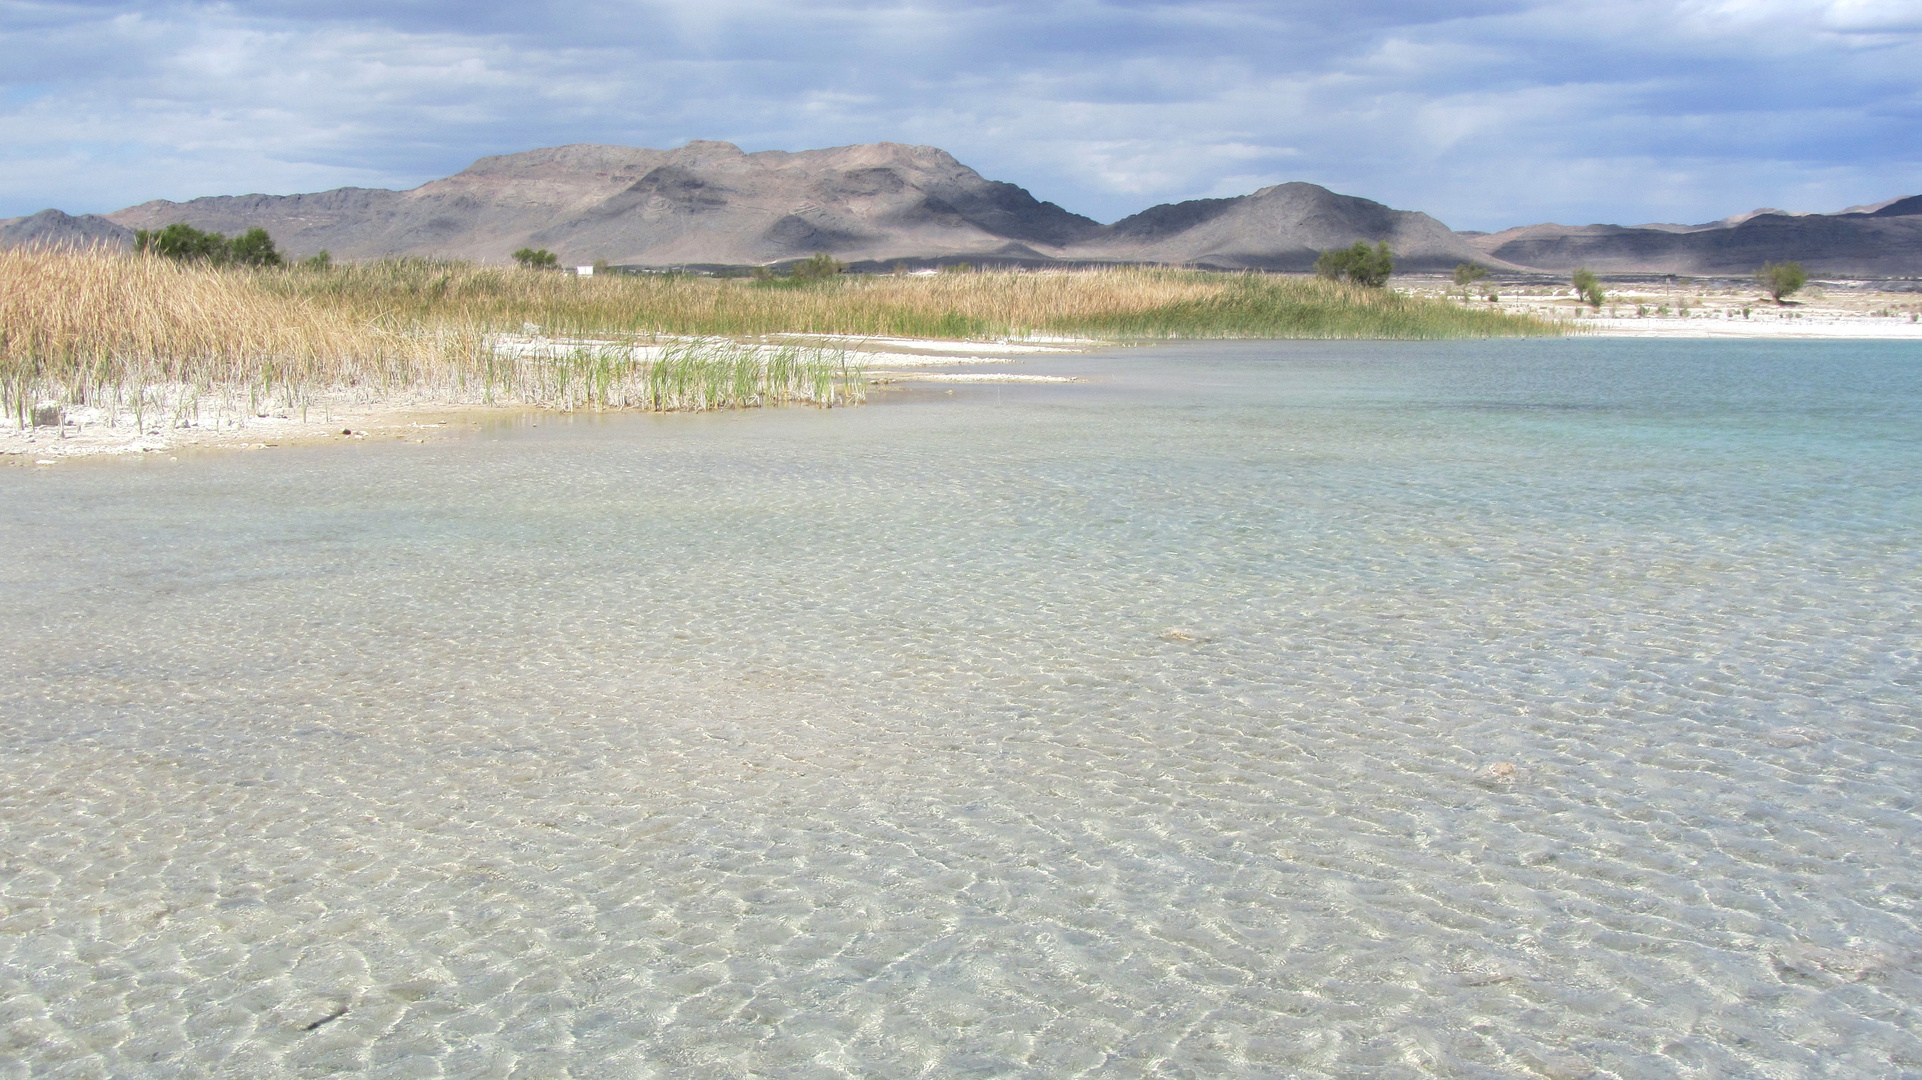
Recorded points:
(1254, 710)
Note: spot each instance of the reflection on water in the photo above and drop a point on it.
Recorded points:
(1479, 710)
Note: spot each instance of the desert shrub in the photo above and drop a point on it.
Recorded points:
(817, 266)
(1782, 279)
(1589, 288)
(1466, 275)
(184, 243)
(253, 248)
(1360, 264)
(537, 259)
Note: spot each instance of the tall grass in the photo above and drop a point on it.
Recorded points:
(157, 341)
(148, 342)
(1125, 302)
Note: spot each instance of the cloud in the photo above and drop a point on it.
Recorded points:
(1484, 113)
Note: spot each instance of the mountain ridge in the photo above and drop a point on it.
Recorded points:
(1874, 241)
(712, 203)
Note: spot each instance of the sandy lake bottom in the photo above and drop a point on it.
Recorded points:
(1494, 709)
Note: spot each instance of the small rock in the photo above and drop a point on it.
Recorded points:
(414, 990)
(1794, 736)
(1813, 961)
(1565, 1068)
(1498, 773)
(51, 415)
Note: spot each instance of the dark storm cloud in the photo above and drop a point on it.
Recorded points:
(1483, 113)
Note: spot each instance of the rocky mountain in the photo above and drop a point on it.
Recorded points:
(1884, 240)
(1285, 227)
(51, 228)
(707, 202)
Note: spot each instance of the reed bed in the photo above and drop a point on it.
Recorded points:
(1122, 302)
(145, 340)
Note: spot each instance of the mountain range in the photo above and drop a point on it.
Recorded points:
(710, 203)
(1884, 240)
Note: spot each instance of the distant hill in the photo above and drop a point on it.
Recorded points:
(1884, 240)
(1285, 227)
(51, 228)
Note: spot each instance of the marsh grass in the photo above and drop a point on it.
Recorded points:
(150, 341)
(1125, 302)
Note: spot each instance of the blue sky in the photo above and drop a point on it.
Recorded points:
(1485, 113)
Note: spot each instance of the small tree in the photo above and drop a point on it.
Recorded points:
(1589, 288)
(1782, 279)
(253, 248)
(320, 260)
(1467, 274)
(1360, 264)
(541, 259)
(183, 243)
(818, 266)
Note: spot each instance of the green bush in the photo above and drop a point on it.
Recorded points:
(1782, 279)
(1589, 288)
(1360, 264)
(817, 266)
(184, 243)
(533, 259)
(253, 248)
(1467, 274)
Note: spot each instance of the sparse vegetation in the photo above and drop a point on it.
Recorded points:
(1466, 275)
(1782, 280)
(818, 266)
(1361, 264)
(1588, 287)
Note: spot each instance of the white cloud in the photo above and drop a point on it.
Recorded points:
(1485, 114)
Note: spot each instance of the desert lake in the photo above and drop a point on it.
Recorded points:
(1258, 709)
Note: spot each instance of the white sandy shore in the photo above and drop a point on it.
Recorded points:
(1799, 326)
(352, 416)
(1685, 308)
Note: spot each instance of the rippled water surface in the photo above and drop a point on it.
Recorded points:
(1255, 710)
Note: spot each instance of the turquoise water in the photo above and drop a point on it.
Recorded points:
(1246, 710)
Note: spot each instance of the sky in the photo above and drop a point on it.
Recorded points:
(1485, 113)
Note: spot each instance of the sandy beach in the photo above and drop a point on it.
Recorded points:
(1687, 308)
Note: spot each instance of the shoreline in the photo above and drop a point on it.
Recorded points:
(1682, 307)
(353, 416)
